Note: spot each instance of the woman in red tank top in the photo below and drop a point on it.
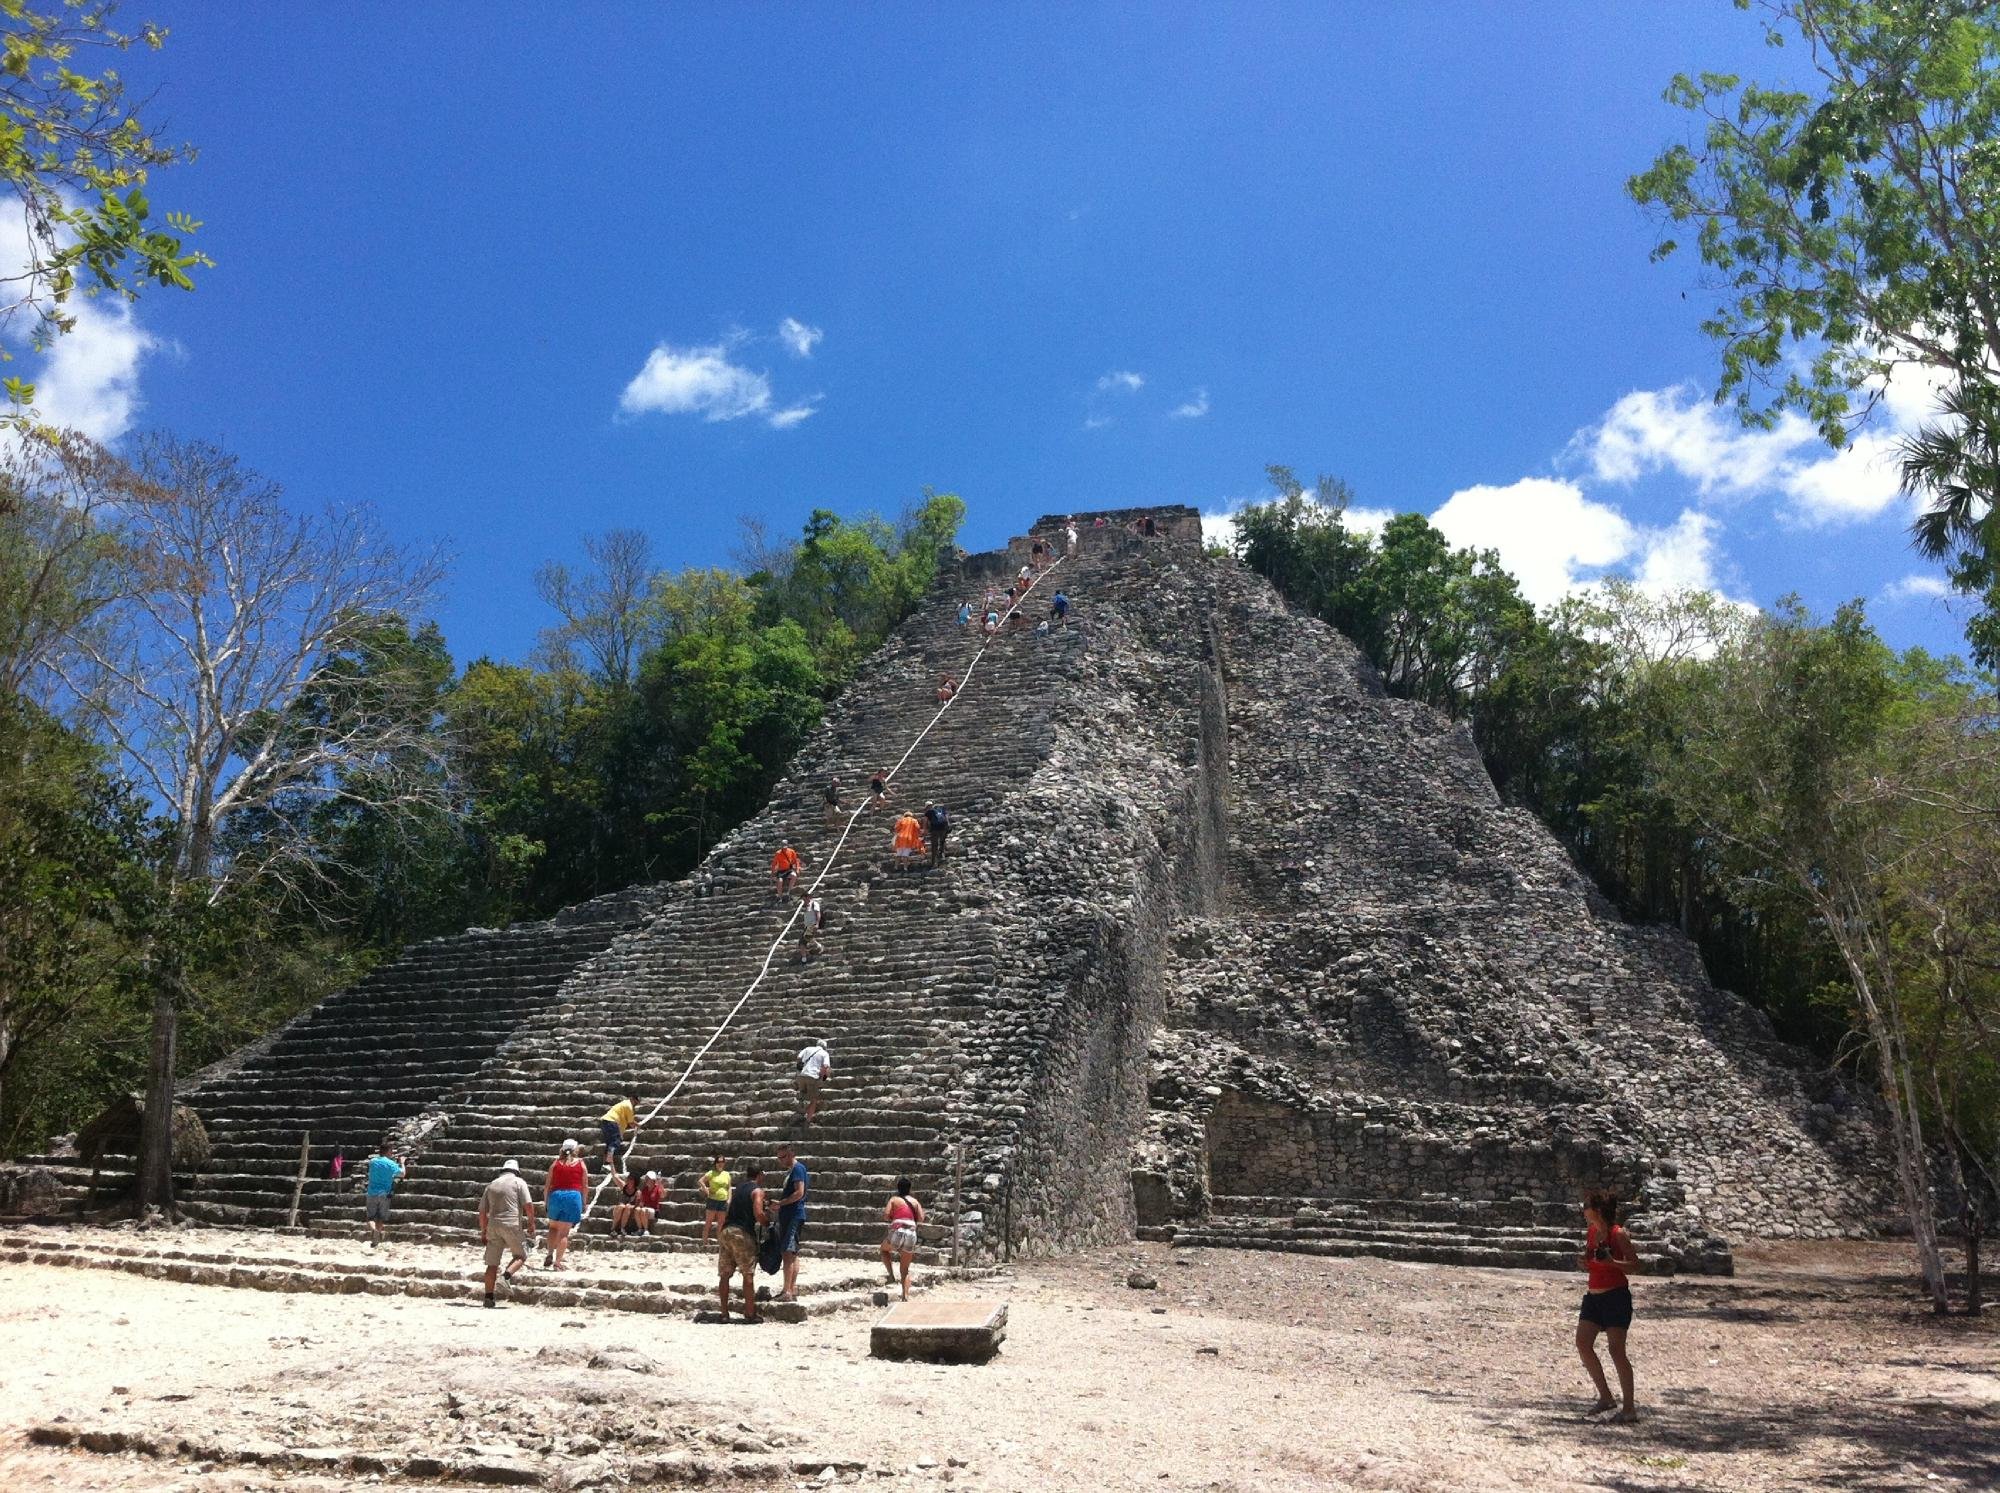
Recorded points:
(1608, 1261)
(902, 1213)
(562, 1200)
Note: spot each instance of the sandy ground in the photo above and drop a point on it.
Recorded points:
(1815, 1367)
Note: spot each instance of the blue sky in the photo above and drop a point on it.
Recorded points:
(522, 278)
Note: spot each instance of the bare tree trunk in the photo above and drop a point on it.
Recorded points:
(1974, 1226)
(156, 1137)
(1905, 1125)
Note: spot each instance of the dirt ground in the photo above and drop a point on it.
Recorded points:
(1816, 1367)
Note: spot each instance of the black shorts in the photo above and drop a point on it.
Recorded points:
(1608, 1308)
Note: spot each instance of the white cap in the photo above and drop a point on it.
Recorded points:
(819, 1041)
(652, 1176)
(510, 1165)
(569, 1145)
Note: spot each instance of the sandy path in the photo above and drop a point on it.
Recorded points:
(1811, 1369)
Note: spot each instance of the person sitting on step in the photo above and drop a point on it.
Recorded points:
(947, 687)
(643, 1203)
(785, 867)
(623, 1211)
(991, 625)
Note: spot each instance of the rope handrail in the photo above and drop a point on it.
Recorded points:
(784, 933)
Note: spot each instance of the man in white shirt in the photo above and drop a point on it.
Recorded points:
(815, 1062)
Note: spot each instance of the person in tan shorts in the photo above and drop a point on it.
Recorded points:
(738, 1254)
(506, 1222)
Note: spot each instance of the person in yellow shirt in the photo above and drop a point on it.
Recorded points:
(619, 1124)
(714, 1196)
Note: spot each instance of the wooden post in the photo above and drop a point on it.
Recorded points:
(299, 1187)
(957, 1201)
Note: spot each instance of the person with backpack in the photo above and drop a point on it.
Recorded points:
(815, 1062)
(746, 1214)
(937, 824)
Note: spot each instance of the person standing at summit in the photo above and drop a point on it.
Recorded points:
(792, 1216)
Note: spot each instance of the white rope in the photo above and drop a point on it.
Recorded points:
(797, 907)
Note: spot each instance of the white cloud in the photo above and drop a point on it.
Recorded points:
(1192, 409)
(1369, 521)
(695, 381)
(1847, 486)
(1674, 429)
(1544, 529)
(1916, 588)
(89, 379)
(1680, 557)
(799, 337)
(1096, 422)
(1122, 381)
(704, 381)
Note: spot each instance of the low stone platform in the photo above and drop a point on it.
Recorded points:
(941, 1331)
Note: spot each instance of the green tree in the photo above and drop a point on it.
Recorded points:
(1853, 229)
(77, 155)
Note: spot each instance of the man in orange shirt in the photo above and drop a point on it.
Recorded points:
(784, 869)
(909, 840)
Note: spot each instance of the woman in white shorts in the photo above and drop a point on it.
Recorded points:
(902, 1213)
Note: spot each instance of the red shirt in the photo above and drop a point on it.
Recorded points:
(1604, 1275)
(651, 1195)
(567, 1176)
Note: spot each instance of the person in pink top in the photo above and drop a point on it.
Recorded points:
(1609, 1262)
(902, 1214)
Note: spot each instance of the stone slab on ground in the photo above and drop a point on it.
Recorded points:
(968, 1331)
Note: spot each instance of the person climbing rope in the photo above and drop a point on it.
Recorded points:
(785, 867)
(937, 824)
(812, 918)
(1609, 1262)
(991, 624)
(618, 1125)
(947, 687)
(815, 1062)
(878, 789)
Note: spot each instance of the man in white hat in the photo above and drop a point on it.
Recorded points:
(506, 1222)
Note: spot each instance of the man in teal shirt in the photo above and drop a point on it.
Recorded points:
(383, 1172)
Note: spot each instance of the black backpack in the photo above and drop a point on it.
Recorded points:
(938, 817)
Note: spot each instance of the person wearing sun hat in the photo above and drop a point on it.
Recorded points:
(563, 1200)
(506, 1222)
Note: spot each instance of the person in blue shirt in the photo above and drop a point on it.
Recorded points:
(383, 1173)
(1059, 609)
(965, 614)
(792, 1216)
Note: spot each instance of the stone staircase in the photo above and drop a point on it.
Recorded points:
(1231, 947)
